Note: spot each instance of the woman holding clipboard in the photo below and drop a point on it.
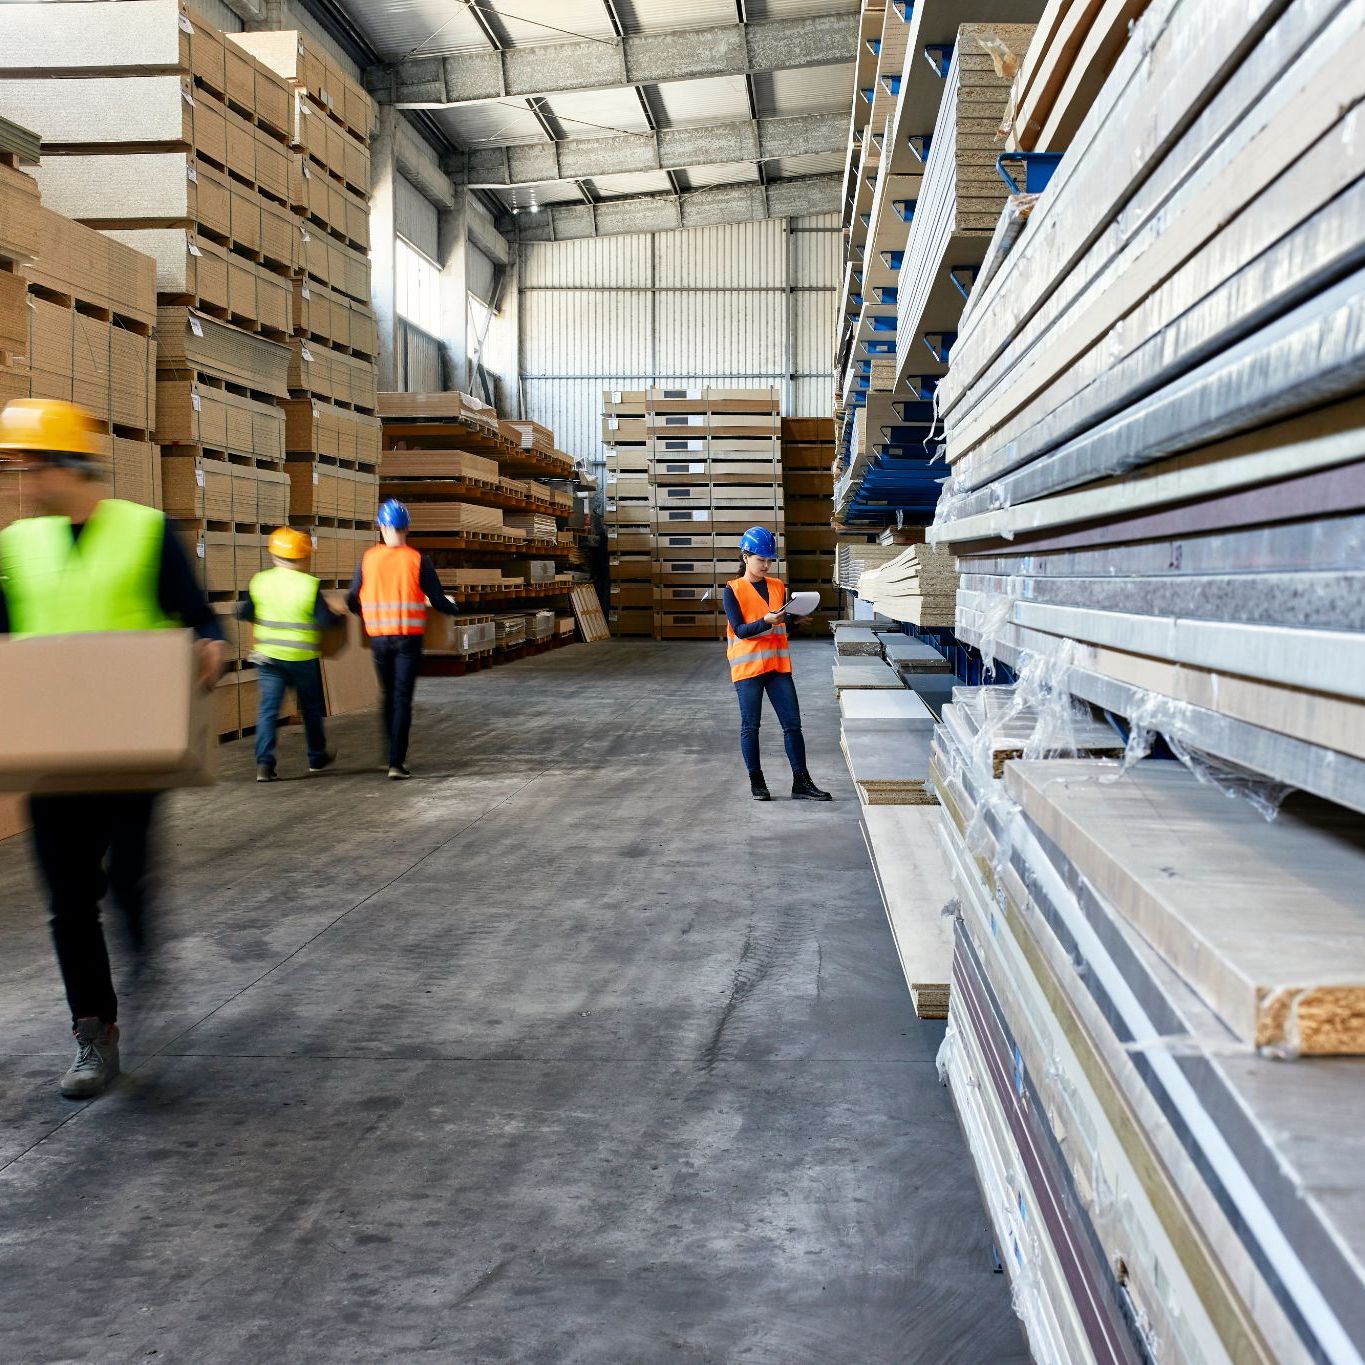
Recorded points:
(756, 611)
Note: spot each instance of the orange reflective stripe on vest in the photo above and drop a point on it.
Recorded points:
(391, 597)
(766, 653)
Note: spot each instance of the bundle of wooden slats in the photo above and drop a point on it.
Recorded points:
(1155, 421)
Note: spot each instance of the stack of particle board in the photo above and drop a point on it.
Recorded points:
(77, 312)
(854, 641)
(170, 139)
(960, 196)
(918, 586)
(332, 431)
(689, 470)
(628, 517)
(491, 529)
(853, 558)
(886, 735)
(1155, 462)
(808, 490)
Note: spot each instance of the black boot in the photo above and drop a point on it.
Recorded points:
(803, 789)
(758, 787)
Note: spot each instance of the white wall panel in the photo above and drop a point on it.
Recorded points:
(733, 254)
(601, 261)
(747, 304)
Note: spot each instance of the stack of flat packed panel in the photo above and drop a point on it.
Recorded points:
(1074, 48)
(886, 736)
(493, 532)
(918, 586)
(853, 671)
(332, 430)
(960, 197)
(909, 657)
(76, 319)
(853, 558)
(808, 490)
(1156, 474)
(853, 640)
(1143, 970)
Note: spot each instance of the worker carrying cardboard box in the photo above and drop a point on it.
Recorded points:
(760, 663)
(286, 608)
(91, 562)
(390, 592)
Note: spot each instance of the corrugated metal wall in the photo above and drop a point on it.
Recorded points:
(737, 305)
(415, 217)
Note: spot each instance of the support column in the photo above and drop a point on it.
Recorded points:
(452, 243)
(509, 320)
(383, 239)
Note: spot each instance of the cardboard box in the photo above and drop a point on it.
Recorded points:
(115, 711)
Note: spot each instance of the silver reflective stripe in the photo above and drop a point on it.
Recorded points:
(762, 654)
(287, 625)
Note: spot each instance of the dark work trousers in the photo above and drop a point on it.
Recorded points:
(276, 677)
(88, 845)
(781, 692)
(397, 659)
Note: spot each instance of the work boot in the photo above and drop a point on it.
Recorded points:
(803, 789)
(397, 772)
(758, 787)
(96, 1061)
(322, 764)
(265, 773)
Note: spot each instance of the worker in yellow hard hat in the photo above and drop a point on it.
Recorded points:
(91, 562)
(286, 606)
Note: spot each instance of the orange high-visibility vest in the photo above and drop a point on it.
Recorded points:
(766, 653)
(391, 597)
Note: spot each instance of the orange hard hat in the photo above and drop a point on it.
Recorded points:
(47, 426)
(287, 543)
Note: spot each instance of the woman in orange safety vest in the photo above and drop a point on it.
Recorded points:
(760, 663)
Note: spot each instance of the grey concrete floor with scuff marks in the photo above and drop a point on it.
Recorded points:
(565, 1051)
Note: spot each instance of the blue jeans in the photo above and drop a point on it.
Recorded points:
(277, 676)
(781, 692)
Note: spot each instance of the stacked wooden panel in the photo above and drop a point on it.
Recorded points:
(688, 472)
(76, 318)
(332, 431)
(808, 487)
(1155, 417)
(487, 500)
(628, 516)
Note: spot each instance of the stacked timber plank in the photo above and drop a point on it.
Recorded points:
(688, 472)
(1154, 419)
(808, 487)
(917, 586)
(491, 529)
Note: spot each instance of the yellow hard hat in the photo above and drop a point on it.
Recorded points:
(47, 426)
(286, 543)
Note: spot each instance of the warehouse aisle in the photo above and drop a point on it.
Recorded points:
(566, 1051)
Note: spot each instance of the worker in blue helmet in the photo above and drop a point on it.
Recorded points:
(390, 592)
(760, 663)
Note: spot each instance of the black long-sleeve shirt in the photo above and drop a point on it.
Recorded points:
(178, 592)
(745, 630)
(427, 580)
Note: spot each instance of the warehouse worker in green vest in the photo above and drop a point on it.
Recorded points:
(286, 607)
(91, 562)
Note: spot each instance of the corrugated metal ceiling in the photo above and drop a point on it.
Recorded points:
(401, 28)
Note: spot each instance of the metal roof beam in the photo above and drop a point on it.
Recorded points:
(664, 212)
(542, 163)
(446, 82)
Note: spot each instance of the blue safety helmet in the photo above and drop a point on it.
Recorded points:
(760, 541)
(392, 513)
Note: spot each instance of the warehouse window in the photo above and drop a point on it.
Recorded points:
(417, 288)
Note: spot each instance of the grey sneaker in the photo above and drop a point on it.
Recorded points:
(397, 772)
(265, 773)
(96, 1062)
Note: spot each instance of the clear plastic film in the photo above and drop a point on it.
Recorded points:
(1164, 716)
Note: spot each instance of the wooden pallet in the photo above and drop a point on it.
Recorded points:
(587, 610)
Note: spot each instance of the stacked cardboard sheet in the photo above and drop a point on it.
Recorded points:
(808, 487)
(1154, 430)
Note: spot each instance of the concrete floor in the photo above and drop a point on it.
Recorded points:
(565, 1052)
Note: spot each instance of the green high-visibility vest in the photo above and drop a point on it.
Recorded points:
(105, 580)
(284, 601)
